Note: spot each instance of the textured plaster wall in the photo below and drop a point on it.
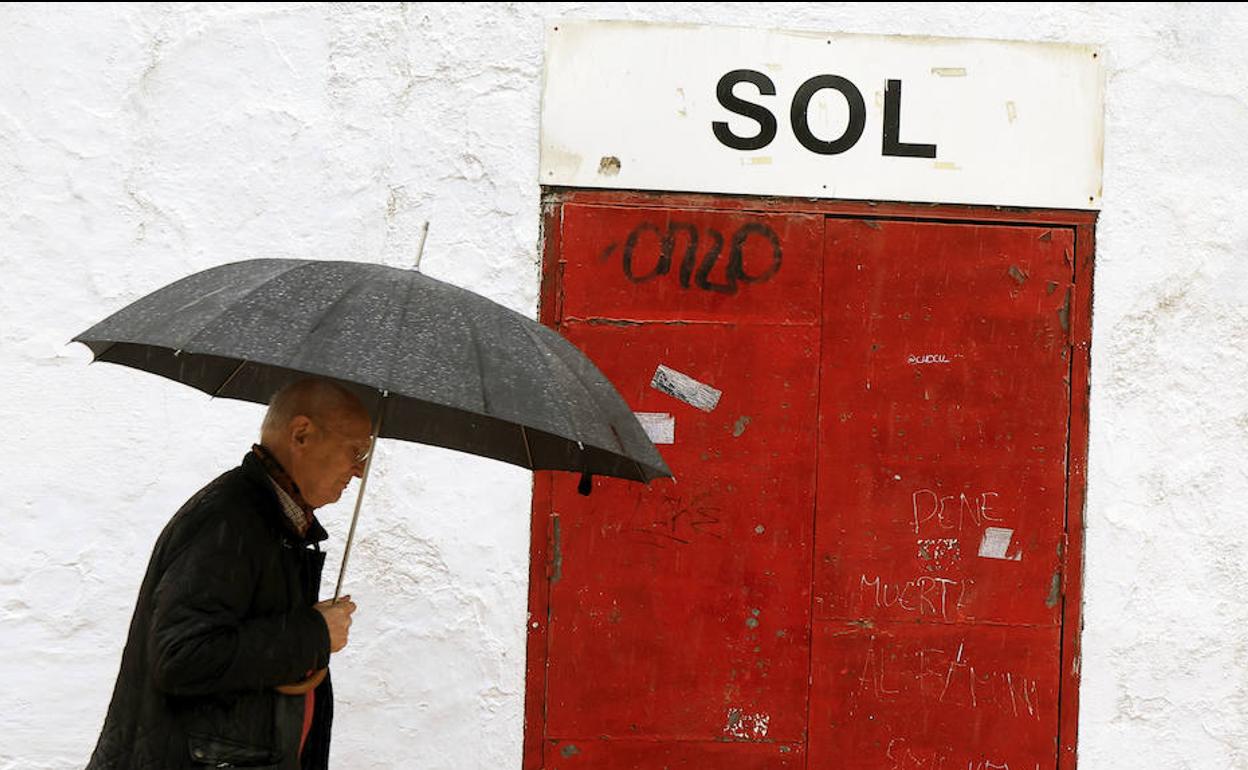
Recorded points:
(141, 143)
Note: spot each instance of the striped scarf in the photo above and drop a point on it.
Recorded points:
(298, 513)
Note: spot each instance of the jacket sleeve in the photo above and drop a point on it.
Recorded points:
(200, 638)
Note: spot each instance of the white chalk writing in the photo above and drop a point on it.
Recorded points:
(928, 504)
(892, 672)
(907, 757)
(925, 596)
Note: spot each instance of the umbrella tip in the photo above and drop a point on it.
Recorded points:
(586, 485)
(420, 249)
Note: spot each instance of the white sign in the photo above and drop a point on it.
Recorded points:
(763, 112)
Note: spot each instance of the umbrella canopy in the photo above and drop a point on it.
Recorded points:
(435, 363)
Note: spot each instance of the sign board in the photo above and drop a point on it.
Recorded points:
(627, 105)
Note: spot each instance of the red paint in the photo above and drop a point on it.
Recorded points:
(602, 754)
(946, 398)
(775, 607)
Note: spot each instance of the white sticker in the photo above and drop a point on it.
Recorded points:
(685, 388)
(659, 426)
(995, 544)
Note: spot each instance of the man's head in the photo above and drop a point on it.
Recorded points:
(319, 432)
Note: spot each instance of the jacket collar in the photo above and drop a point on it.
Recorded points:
(254, 470)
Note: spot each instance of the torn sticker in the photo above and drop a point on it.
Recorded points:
(685, 388)
(659, 426)
(996, 543)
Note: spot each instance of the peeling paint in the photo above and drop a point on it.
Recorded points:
(556, 564)
(609, 166)
(623, 322)
(1063, 313)
(746, 726)
(1055, 590)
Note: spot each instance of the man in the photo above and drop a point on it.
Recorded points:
(226, 660)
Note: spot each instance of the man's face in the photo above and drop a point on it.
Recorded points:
(327, 453)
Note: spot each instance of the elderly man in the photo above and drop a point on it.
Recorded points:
(225, 664)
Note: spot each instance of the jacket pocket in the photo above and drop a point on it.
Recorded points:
(215, 751)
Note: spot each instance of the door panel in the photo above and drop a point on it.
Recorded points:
(942, 488)
(678, 632)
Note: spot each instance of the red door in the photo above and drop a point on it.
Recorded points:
(860, 562)
(945, 397)
(679, 615)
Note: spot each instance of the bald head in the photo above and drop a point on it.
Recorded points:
(313, 398)
(318, 430)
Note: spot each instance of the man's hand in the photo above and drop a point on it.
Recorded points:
(338, 619)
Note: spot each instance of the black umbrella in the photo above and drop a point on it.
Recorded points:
(433, 362)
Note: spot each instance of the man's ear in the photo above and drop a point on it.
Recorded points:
(300, 431)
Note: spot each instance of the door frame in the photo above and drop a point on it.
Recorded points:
(550, 313)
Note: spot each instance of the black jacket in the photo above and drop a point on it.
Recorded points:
(224, 615)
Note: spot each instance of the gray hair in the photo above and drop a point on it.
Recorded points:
(313, 398)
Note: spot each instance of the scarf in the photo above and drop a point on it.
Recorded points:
(298, 513)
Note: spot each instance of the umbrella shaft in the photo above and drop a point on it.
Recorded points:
(359, 498)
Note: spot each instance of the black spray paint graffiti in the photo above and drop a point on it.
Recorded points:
(680, 522)
(691, 271)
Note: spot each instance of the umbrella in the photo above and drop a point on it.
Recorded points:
(434, 363)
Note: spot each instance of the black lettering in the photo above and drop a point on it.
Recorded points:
(689, 259)
(766, 121)
(801, 124)
(665, 257)
(736, 256)
(708, 263)
(892, 127)
(691, 270)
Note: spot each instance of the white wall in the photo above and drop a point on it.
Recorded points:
(141, 143)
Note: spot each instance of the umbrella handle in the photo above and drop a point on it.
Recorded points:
(359, 498)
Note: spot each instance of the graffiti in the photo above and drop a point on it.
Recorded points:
(899, 673)
(704, 273)
(907, 757)
(925, 596)
(681, 523)
(927, 505)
